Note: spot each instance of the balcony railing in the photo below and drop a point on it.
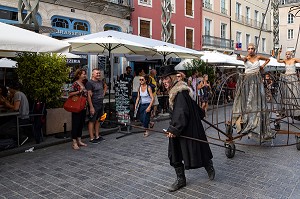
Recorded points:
(207, 5)
(224, 11)
(250, 22)
(217, 42)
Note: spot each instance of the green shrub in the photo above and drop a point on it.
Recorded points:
(200, 66)
(42, 76)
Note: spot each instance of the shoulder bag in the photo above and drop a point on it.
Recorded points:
(75, 104)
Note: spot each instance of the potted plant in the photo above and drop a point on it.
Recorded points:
(42, 76)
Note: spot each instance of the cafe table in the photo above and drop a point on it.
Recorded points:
(13, 113)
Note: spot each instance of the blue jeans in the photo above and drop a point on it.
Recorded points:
(144, 116)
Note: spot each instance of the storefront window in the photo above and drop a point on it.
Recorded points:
(111, 27)
(61, 23)
(81, 26)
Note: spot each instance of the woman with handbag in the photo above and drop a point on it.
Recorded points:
(144, 102)
(78, 119)
(204, 89)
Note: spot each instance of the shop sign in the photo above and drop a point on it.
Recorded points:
(70, 33)
(73, 61)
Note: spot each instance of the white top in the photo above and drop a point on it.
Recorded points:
(252, 67)
(136, 83)
(290, 69)
(145, 97)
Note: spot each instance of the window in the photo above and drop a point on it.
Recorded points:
(290, 18)
(189, 8)
(173, 34)
(80, 26)
(60, 23)
(238, 11)
(145, 27)
(290, 33)
(247, 15)
(256, 18)
(223, 7)
(263, 45)
(247, 39)
(207, 4)
(223, 35)
(9, 15)
(173, 4)
(223, 30)
(256, 42)
(111, 27)
(238, 37)
(207, 24)
(147, 3)
(282, 2)
(189, 38)
(263, 18)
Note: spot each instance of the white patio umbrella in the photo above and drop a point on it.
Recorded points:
(7, 63)
(217, 58)
(160, 49)
(106, 44)
(14, 39)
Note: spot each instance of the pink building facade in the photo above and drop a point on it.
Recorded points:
(186, 21)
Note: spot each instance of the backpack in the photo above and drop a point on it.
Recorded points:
(152, 86)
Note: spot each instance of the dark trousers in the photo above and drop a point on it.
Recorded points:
(144, 116)
(78, 120)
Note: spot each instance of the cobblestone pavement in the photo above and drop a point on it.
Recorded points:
(137, 167)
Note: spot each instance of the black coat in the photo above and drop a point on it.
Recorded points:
(186, 120)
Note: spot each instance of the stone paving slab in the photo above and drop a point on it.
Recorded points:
(137, 167)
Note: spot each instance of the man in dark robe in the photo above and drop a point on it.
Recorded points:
(186, 118)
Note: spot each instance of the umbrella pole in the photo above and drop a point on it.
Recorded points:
(109, 83)
(4, 77)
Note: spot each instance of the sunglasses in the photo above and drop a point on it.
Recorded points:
(142, 79)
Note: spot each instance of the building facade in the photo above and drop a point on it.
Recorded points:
(250, 23)
(216, 26)
(289, 27)
(75, 18)
(186, 21)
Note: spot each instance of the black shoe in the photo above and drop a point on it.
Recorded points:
(23, 140)
(99, 139)
(180, 181)
(210, 170)
(94, 141)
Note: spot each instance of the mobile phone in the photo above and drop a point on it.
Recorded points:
(164, 130)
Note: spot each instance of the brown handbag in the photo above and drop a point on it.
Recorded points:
(75, 104)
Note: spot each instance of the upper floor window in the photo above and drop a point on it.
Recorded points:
(189, 8)
(173, 34)
(223, 7)
(207, 4)
(263, 46)
(145, 27)
(147, 3)
(223, 30)
(282, 2)
(290, 18)
(290, 34)
(247, 39)
(238, 37)
(238, 11)
(189, 38)
(60, 23)
(207, 27)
